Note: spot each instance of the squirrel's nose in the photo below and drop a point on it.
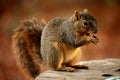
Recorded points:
(94, 26)
(95, 31)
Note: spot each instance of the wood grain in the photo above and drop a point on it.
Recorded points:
(98, 69)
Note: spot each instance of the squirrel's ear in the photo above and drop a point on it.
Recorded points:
(77, 15)
(85, 10)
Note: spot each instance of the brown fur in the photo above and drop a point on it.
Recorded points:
(56, 47)
(26, 47)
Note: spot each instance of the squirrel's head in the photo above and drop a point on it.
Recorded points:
(85, 22)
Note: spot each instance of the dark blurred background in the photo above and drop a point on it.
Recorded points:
(107, 13)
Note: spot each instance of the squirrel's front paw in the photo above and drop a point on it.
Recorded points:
(94, 39)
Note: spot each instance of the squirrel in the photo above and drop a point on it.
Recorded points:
(55, 45)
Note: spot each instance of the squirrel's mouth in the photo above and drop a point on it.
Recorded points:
(83, 32)
(90, 34)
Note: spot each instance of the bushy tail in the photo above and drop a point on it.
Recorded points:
(26, 47)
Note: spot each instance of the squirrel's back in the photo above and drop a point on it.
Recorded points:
(52, 29)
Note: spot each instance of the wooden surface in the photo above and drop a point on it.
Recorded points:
(98, 70)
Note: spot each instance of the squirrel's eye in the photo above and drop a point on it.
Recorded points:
(85, 23)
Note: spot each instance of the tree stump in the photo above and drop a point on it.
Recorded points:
(98, 70)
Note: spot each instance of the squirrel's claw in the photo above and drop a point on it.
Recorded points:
(94, 39)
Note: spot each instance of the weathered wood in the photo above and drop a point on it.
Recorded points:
(98, 70)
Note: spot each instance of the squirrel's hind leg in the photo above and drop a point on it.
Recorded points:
(68, 69)
(73, 62)
(58, 59)
(79, 66)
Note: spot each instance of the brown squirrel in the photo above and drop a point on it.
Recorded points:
(55, 45)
